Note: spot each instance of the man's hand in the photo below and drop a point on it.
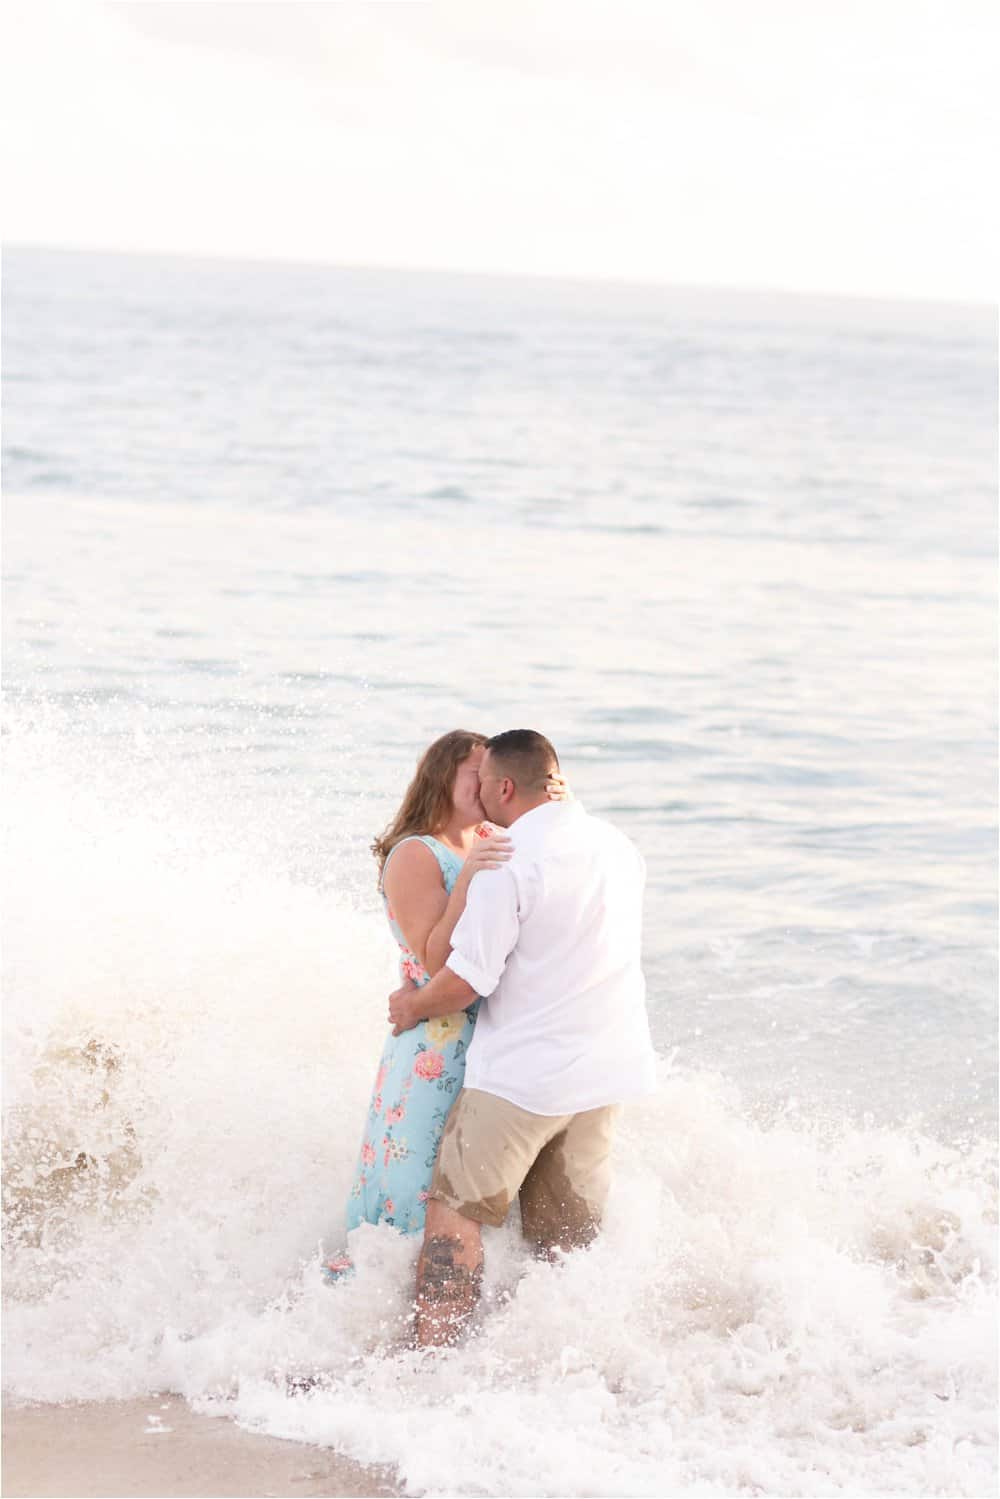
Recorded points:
(404, 1008)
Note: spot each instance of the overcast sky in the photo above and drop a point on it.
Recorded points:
(810, 145)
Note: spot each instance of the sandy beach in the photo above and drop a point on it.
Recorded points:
(158, 1446)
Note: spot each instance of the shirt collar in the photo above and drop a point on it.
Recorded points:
(533, 823)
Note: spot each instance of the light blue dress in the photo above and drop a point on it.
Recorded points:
(418, 1079)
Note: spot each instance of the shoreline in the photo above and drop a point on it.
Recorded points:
(158, 1446)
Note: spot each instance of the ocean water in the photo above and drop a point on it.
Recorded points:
(270, 529)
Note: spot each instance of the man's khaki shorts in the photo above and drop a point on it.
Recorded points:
(491, 1151)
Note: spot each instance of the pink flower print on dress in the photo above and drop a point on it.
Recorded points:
(389, 1205)
(412, 969)
(429, 1065)
(367, 1154)
(393, 1116)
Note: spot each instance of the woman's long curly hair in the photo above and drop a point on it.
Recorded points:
(427, 804)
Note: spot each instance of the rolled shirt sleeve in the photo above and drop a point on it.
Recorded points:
(487, 930)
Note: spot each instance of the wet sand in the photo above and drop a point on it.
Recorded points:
(137, 1448)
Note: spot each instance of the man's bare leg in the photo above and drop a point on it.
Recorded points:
(449, 1276)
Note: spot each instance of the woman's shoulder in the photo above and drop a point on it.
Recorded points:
(415, 857)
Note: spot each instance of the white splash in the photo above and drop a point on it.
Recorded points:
(775, 1307)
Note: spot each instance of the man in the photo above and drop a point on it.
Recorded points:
(553, 939)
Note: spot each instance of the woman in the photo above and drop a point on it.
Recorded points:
(427, 856)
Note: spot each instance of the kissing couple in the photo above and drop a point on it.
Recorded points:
(521, 1024)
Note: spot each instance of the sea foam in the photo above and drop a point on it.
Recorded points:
(780, 1304)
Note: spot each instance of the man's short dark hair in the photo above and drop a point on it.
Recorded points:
(527, 757)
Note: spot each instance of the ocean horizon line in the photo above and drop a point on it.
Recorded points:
(706, 289)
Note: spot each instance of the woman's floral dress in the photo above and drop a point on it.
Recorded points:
(418, 1080)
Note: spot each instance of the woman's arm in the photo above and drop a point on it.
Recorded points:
(487, 937)
(426, 915)
(486, 853)
(416, 894)
(439, 937)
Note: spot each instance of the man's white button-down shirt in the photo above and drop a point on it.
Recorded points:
(552, 938)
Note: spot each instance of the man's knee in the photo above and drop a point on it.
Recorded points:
(563, 1195)
(563, 1225)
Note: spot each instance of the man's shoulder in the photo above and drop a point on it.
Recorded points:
(615, 841)
(586, 830)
